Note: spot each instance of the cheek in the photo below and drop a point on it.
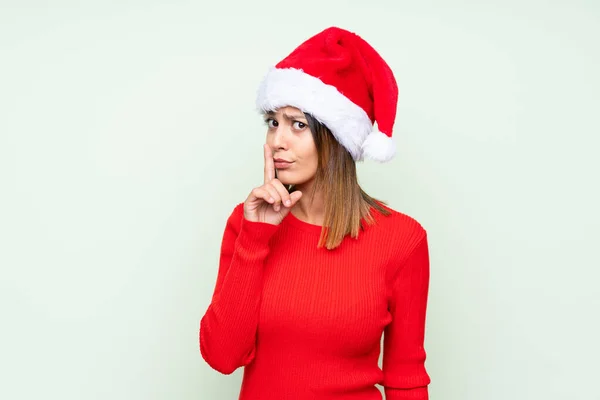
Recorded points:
(314, 160)
(309, 155)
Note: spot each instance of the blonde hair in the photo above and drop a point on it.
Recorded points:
(346, 204)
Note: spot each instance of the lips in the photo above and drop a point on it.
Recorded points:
(281, 163)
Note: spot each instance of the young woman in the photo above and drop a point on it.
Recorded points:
(313, 271)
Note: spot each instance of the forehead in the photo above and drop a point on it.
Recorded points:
(287, 111)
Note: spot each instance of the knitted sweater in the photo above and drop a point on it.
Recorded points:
(306, 322)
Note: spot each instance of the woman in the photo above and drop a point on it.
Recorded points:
(313, 271)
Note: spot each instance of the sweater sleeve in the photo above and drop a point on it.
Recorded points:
(405, 376)
(228, 328)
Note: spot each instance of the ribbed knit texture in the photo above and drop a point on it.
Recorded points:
(307, 322)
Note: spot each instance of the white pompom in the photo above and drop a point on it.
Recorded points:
(379, 147)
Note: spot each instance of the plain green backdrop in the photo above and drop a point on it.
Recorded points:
(128, 133)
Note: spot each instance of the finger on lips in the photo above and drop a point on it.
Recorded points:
(277, 193)
(269, 164)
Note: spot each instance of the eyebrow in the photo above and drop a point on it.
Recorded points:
(287, 116)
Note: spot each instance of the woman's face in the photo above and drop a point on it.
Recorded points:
(292, 144)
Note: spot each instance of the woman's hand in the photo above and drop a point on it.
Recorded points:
(270, 202)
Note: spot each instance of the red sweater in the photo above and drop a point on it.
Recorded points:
(307, 322)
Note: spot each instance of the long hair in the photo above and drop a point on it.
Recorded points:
(346, 204)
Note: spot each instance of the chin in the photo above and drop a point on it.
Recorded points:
(289, 178)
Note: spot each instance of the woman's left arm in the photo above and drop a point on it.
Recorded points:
(405, 376)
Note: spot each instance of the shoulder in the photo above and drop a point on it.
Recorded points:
(402, 229)
(404, 235)
(397, 220)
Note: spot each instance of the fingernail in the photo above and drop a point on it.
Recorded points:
(271, 199)
(288, 202)
(276, 207)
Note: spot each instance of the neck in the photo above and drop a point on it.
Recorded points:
(307, 209)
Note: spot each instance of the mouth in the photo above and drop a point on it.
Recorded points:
(281, 163)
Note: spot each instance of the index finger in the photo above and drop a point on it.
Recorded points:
(269, 164)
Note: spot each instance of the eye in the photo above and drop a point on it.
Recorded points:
(300, 126)
(268, 122)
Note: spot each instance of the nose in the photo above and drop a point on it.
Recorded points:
(278, 139)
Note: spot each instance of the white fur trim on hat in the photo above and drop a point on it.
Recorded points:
(379, 147)
(348, 122)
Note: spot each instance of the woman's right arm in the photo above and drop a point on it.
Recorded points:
(228, 328)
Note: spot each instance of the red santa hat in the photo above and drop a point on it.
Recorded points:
(343, 82)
